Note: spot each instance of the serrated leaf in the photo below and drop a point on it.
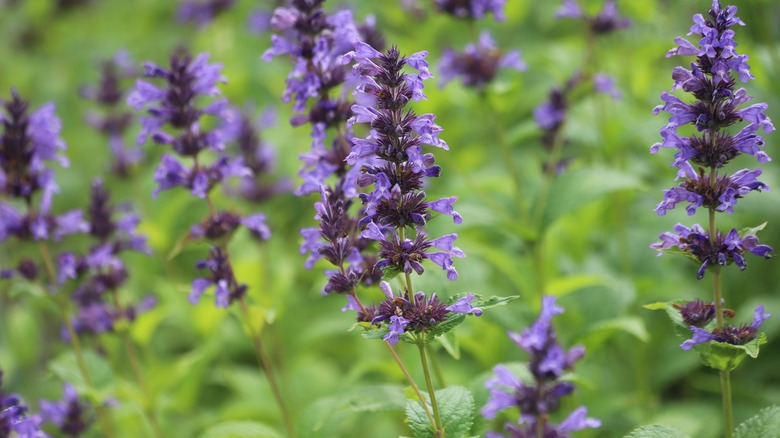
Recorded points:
(494, 301)
(727, 357)
(766, 424)
(240, 429)
(456, 409)
(671, 311)
(656, 431)
(580, 187)
(452, 320)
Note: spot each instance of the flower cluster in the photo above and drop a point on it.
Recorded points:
(316, 42)
(606, 21)
(202, 12)
(68, 414)
(537, 399)
(699, 157)
(399, 167)
(175, 106)
(27, 144)
(113, 121)
(100, 272)
(473, 9)
(734, 335)
(478, 64)
(415, 313)
(14, 417)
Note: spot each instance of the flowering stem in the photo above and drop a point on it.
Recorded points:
(411, 382)
(103, 418)
(728, 414)
(132, 354)
(265, 364)
(431, 391)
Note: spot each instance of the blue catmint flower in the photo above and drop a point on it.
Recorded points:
(68, 414)
(14, 417)
(727, 248)
(202, 12)
(478, 64)
(112, 122)
(473, 9)
(699, 313)
(226, 287)
(537, 399)
(417, 313)
(734, 335)
(607, 20)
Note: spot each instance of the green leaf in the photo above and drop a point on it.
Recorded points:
(656, 431)
(450, 322)
(580, 187)
(456, 409)
(745, 231)
(727, 357)
(450, 344)
(494, 301)
(766, 424)
(66, 367)
(240, 429)
(630, 324)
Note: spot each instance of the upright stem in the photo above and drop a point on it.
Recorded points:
(725, 376)
(132, 355)
(103, 419)
(411, 382)
(431, 391)
(265, 364)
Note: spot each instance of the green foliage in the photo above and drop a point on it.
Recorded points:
(240, 429)
(456, 407)
(656, 431)
(766, 424)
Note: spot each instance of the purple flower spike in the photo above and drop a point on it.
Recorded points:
(734, 335)
(68, 414)
(473, 9)
(478, 64)
(538, 399)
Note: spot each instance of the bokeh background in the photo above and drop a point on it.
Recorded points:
(200, 365)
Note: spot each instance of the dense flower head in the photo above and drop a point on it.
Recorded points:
(202, 12)
(734, 335)
(175, 104)
(727, 247)
(606, 21)
(69, 414)
(15, 417)
(699, 190)
(478, 64)
(473, 9)
(537, 399)
(718, 103)
(227, 289)
(418, 313)
(699, 313)
(113, 121)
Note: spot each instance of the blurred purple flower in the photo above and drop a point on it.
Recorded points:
(478, 64)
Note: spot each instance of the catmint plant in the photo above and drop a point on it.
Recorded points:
(717, 106)
(15, 419)
(173, 119)
(202, 12)
(479, 63)
(540, 396)
(29, 142)
(473, 9)
(113, 120)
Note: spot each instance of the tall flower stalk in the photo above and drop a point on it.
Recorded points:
(28, 143)
(173, 119)
(700, 159)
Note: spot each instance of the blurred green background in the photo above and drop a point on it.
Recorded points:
(201, 366)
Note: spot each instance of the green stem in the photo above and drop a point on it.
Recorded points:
(728, 414)
(102, 414)
(265, 364)
(436, 368)
(431, 391)
(132, 355)
(411, 382)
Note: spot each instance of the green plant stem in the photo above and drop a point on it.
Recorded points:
(436, 368)
(132, 355)
(537, 259)
(725, 376)
(411, 382)
(431, 391)
(265, 364)
(103, 418)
